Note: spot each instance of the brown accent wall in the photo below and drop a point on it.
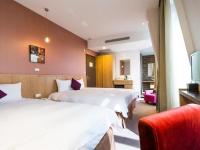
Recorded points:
(20, 27)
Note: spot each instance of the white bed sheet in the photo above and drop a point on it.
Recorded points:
(48, 125)
(112, 98)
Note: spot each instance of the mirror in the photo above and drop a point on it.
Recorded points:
(151, 70)
(125, 67)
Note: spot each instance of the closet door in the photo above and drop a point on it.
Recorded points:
(107, 71)
(99, 71)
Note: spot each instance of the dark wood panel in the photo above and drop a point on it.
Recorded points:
(187, 97)
(91, 70)
(99, 71)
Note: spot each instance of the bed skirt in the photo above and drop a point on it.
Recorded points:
(107, 142)
(131, 107)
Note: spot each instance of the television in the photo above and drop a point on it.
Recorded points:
(195, 67)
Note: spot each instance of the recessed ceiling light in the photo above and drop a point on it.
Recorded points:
(103, 47)
(145, 23)
(84, 24)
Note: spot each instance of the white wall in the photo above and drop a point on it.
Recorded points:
(135, 73)
(153, 18)
(192, 10)
(185, 26)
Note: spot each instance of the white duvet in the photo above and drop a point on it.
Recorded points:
(112, 98)
(48, 125)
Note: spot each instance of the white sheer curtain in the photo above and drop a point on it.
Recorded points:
(177, 61)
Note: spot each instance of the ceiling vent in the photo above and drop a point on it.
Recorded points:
(117, 39)
(104, 51)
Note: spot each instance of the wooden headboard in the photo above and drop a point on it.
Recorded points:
(33, 84)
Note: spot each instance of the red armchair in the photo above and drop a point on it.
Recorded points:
(176, 129)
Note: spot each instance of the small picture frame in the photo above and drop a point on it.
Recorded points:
(36, 54)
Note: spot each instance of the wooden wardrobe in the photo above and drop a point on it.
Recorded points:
(104, 71)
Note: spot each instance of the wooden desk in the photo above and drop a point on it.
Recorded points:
(187, 97)
(127, 84)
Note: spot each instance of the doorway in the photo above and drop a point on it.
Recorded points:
(91, 70)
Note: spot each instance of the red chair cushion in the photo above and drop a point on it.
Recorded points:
(176, 129)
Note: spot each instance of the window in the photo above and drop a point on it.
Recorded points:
(177, 60)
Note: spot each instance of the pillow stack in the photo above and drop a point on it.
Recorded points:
(66, 85)
(10, 92)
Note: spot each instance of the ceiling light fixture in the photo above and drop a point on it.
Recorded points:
(84, 24)
(46, 39)
(143, 23)
(103, 47)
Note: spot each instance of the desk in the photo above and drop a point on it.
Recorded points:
(187, 97)
(127, 84)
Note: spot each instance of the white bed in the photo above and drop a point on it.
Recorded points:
(47, 125)
(117, 100)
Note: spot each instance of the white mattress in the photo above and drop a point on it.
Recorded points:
(112, 98)
(48, 125)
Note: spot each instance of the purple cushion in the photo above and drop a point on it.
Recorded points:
(75, 85)
(2, 94)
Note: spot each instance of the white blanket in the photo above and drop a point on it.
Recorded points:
(112, 98)
(48, 125)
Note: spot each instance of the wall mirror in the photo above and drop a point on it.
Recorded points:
(125, 67)
(151, 70)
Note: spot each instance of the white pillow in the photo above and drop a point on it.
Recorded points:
(63, 85)
(82, 83)
(13, 92)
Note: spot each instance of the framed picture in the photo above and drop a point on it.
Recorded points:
(36, 54)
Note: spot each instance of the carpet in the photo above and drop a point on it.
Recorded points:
(128, 139)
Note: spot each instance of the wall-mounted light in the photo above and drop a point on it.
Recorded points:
(103, 47)
(91, 64)
(46, 39)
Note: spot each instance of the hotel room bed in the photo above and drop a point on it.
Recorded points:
(121, 101)
(38, 124)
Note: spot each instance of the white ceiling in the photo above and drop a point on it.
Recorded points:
(146, 52)
(99, 20)
(137, 41)
(95, 18)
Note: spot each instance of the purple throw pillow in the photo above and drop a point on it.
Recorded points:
(2, 94)
(75, 85)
